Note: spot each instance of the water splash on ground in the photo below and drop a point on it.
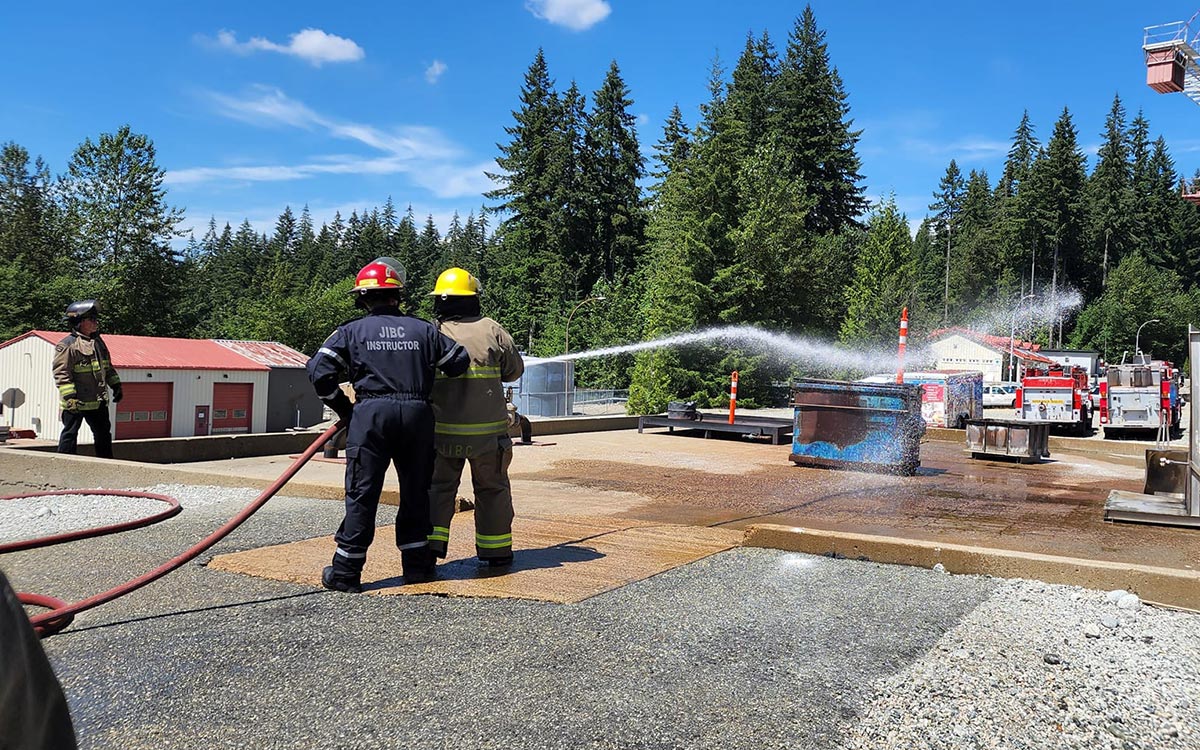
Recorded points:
(813, 353)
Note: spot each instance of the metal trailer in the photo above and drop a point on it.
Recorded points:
(948, 397)
(1172, 492)
(1057, 395)
(1026, 440)
(875, 427)
(778, 429)
(1141, 395)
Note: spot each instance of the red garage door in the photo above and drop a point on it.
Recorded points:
(145, 411)
(231, 407)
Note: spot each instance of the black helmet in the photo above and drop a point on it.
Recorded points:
(77, 311)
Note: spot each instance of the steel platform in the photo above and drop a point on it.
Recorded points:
(778, 429)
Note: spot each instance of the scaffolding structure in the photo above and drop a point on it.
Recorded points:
(1171, 68)
(1171, 57)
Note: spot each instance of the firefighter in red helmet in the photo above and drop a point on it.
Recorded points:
(389, 358)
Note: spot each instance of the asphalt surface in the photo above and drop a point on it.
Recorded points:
(746, 649)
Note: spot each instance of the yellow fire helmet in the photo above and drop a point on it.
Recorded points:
(455, 282)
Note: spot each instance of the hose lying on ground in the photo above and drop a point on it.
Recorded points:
(61, 614)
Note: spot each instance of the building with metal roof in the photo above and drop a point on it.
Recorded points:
(999, 358)
(173, 387)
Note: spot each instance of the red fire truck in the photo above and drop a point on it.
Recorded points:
(1140, 395)
(1056, 393)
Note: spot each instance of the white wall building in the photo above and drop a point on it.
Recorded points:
(963, 349)
(172, 387)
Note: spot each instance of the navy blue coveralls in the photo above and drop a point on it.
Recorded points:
(390, 360)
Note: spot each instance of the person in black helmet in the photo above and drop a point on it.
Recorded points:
(84, 374)
(390, 359)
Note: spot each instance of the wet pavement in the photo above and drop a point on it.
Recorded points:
(1056, 507)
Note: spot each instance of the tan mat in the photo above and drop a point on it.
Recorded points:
(563, 559)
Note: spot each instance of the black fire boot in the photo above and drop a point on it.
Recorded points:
(419, 565)
(338, 583)
(496, 562)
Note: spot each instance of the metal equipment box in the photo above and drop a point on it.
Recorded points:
(871, 426)
(1026, 440)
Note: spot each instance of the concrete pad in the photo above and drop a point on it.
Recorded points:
(565, 559)
(1173, 587)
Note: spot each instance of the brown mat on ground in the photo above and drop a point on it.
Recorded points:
(564, 559)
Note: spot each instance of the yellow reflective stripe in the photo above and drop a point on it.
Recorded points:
(438, 537)
(66, 388)
(85, 405)
(494, 537)
(472, 373)
(479, 428)
(87, 367)
(492, 545)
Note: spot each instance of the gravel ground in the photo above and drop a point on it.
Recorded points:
(750, 648)
(1042, 666)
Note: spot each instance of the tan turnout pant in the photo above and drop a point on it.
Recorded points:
(490, 458)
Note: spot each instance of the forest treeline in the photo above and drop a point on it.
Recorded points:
(753, 214)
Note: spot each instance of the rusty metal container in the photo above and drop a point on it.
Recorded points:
(1026, 440)
(870, 426)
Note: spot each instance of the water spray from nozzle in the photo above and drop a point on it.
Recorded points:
(817, 354)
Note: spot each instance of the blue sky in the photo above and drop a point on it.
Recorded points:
(256, 105)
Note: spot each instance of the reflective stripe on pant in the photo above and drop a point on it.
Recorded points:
(490, 459)
(384, 432)
(101, 426)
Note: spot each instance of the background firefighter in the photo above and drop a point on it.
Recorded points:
(390, 359)
(472, 421)
(84, 373)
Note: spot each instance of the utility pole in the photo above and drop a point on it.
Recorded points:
(946, 296)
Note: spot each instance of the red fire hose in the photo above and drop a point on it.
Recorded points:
(61, 614)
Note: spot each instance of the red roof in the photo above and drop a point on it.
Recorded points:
(158, 353)
(1026, 350)
(270, 353)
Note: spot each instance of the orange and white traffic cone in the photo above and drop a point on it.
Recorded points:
(733, 396)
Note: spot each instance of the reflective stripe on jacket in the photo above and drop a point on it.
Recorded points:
(83, 371)
(472, 404)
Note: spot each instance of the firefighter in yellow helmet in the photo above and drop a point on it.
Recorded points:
(472, 421)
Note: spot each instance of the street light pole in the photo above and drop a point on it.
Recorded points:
(567, 331)
(1137, 336)
(1012, 336)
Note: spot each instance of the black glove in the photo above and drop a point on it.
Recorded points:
(342, 406)
(118, 394)
(71, 404)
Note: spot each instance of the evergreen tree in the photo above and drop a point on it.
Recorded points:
(812, 122)
(1137, 292)
(614, 168)
(1056, 192)
(530, 270)
(946, 207)
(37, 274)
(1109, 203)
(123, 231)
(881, 283)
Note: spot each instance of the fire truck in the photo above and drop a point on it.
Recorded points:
(1056, 393)
(1140, 395)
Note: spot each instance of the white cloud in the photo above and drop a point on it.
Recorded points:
(423, 153)
(313, 45)
(434, 71)
(268, 106)
(965, 149)
(576, 15)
